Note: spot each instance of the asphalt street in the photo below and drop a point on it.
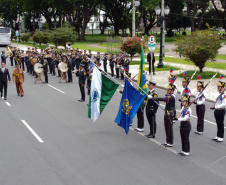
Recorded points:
(47, 139)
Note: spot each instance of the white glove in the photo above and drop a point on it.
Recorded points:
(149, 96)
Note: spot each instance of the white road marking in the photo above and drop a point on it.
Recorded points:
(7, 103)
(32, 131)
(56, 89)
(196, 117)
(218, 160)
(155, 141)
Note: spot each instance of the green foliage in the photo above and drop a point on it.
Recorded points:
(61, 36)
(200, 47)
(37, 37)
(132, 45)
(204, 74)
(25, 37)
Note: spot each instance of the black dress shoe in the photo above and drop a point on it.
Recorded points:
(22, 95)
(5, 99)
(214, 139)
(151, 136)
(81, 100)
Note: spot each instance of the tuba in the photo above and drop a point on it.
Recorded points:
(69, 45)
(8, 51)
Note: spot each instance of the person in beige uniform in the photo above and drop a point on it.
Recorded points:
(18, 78)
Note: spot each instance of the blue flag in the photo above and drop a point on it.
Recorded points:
(130, 103)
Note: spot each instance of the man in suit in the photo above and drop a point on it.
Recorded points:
(3, 57)
(151, 61)
(4, 77)
(18, 78)
(81, 73)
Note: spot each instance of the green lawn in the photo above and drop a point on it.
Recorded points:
(204, 74)
(165, 68)
(221, 57)
(31, 44)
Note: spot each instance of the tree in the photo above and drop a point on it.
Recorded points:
(132, 45)
(221, 14)
(148, 15)
(176, 14)
(117, 11)
(200, 47)
(60, 36)
(193, 6)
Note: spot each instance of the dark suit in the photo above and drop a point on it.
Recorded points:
(4, 81)
(3, 57)
(151, 61)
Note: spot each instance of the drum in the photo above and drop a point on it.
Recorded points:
(63, 67)
(37, 69)
(121, 69)
(117, 66)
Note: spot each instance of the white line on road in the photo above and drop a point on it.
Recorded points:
(155, 141)
(32, 131)
(56, 88)
(7, 103)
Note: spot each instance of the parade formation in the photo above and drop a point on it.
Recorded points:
(63, 64)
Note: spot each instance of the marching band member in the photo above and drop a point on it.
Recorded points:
(219, 111)
(185, 125)
(81, 73)
(18, 78)
(200, 107)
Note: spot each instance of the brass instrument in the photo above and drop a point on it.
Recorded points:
(69, 45)
(8, 51)
(34, 61)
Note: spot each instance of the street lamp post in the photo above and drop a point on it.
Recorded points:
(161, 18)
(135, 4)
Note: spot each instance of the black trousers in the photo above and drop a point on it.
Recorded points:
(82, 90)
(105, 67)
(219, 116)
(3, 86)
(168, 122)
(15, 62)
(140, 118)
(69, 75)
(22, 64)
(50, 68)
(152, 121)
(117, 72)
(185, 128)
(153, 67)
(11, 60)
(112, 70)
(122, 76)
(27, 66)
(53, 68)
(200, 112)
(46, 76)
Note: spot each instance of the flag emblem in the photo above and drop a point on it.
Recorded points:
(95, 95)
(126, 107)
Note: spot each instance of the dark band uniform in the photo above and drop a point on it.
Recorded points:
(81, 80)
(45, 68)
(151, 109)
(105, 59)
(111, 64)
(169, 115)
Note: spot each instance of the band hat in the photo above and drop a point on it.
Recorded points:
(82, 65)
(185, 98)
(185, 79)
(171, 87)
(106, 53)
(200, 83)
(221, 84)
(172, 76)
(128, 74)
(151, 83)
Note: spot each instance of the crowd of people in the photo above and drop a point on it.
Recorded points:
(81, 64)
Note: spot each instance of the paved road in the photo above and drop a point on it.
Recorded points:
(73, 150)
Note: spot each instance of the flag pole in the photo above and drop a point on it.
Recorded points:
(108, 75)
(143, 91)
